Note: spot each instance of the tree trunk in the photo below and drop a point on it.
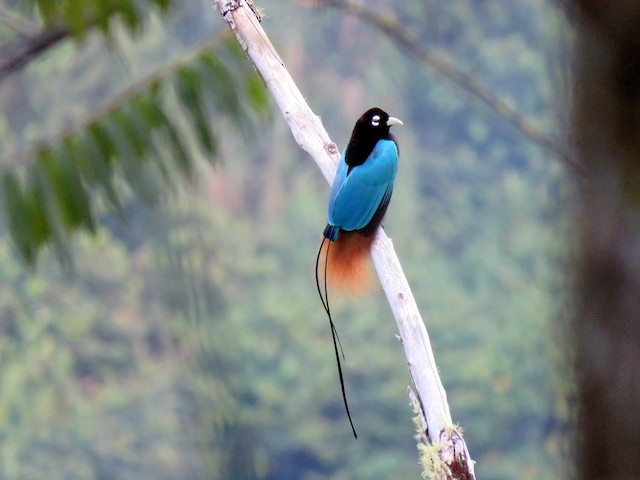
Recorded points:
(607, 323)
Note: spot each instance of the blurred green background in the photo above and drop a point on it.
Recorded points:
(184, 339)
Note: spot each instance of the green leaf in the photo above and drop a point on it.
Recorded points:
(101, 138)
(163, 4)
(129, 160)
(257, 93)
(96, 165)
(150, 110)
(17, 212)
(135, 132)
(103, 12)
(73, 197)
(130, 14)
(182, 158)
(48, 11)
(147, 107)
(225, 91)
(45, 183)
(75, 16)
(36, 203)
(189, 89)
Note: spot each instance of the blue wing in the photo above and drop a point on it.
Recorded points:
(356, 196)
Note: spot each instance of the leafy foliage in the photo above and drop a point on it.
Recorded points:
(143, 138)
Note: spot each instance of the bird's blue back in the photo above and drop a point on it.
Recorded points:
(356, 195)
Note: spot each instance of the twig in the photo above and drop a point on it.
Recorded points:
(308, 131)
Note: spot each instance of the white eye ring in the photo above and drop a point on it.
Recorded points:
(375, 120)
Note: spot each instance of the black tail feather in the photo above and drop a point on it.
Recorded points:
(334, 331)
(325, 303)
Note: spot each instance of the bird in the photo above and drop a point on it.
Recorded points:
(358, 200)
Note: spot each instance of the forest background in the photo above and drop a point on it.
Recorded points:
(185, 340)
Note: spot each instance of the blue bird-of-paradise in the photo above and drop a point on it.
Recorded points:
(358, 200)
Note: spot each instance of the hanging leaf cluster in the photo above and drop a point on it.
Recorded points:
(141, 145)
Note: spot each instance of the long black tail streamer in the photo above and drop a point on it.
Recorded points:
(334, 332)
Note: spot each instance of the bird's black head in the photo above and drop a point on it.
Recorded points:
(372, 126)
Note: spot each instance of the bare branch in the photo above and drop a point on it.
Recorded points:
(446, 67)
(17, 55)
(308, 131)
